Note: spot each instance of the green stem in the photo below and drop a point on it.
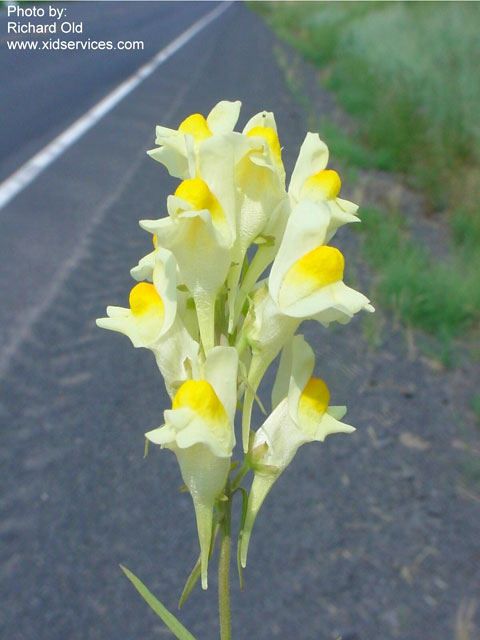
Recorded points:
(242, 472)
(224, 571)
(241, 343)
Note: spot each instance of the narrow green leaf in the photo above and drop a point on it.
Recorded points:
(242, 524)
(260, 403)
(190, 583)
(196, 571)
(175, 626)
(252, 390)
(147, 446)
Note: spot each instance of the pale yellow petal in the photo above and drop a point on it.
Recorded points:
(223, 117)
(221, 370)
(312, 158)
(303, 363)
(262, 119)
(305, 231)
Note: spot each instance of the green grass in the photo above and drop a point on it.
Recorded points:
(407, 71)
(465, 229)
(346, 148)
(440, 297)
(476, 406)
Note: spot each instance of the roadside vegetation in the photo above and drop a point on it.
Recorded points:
(406, 73)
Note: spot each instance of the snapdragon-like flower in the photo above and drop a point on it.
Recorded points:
(312, 181)
(152, 309)
(151, 321)
(261, 205)
(179, 147)
(263, 126)
(199, 430)
(306, 278)
(197, 234)
(304, 415)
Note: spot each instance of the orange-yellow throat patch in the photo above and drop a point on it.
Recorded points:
(196, 126)
(324, 185)
(195, 191)
(200, 396)
(144, 298)
(313, 404)
(317, 268)
(268, 134)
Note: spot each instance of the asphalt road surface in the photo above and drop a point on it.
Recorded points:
(43, 91)
(77, 497)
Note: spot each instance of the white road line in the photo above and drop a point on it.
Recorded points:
(30, 170)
